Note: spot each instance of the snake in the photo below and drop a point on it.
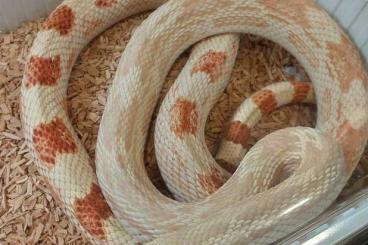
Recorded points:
(203, 176)
(207, 73)
(285, 180)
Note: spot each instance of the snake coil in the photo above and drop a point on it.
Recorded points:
(256, 204)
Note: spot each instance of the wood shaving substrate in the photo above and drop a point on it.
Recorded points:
(28, 212)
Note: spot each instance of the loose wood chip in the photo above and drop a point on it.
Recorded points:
(28, 213)
(10, 136)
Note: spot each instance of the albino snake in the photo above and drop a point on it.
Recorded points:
(257, 204)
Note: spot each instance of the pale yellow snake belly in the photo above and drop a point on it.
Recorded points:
(255, 205)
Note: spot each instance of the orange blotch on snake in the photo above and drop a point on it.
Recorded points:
(211, 63)
(42, 71)
(60, 20)
(211, 181)
(91, 211)
(105, 3)
(265, 100)
(51, 139)
(350, 140)
(183, 118)
(238, 133)
(301, 91)
(349, 68)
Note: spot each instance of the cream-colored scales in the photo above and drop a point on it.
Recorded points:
(233, 146)
(190, 178)
(244, 209)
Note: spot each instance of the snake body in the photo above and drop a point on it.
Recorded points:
(285, 180)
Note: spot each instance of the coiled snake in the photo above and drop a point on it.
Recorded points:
(285, 180)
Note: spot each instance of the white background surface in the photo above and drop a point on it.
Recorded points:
(14, 12)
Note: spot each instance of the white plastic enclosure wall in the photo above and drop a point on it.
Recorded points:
(14, 12)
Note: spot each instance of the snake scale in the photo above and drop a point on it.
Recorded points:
(288, 178)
